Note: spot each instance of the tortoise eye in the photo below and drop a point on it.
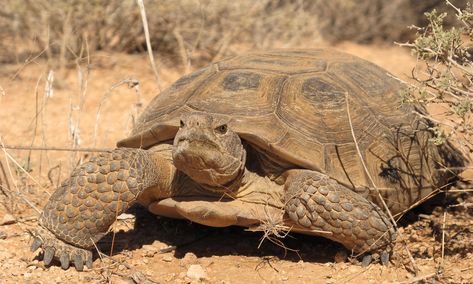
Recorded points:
(182, 123)
(222, 129)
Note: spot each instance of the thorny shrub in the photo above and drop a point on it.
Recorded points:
(444, 77)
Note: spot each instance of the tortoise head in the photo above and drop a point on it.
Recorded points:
(207, 150)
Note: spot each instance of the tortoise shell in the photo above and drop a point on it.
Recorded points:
(305, 107)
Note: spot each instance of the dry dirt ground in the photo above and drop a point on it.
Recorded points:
(149, 249)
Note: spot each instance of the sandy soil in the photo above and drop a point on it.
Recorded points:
(148, 249)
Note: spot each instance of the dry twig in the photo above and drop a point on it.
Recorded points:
(148, 41)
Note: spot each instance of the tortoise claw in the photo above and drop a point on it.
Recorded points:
(366, 260)
(48, 255)
(64, 259)
(88, 261)
(78, 262)
(384, 258)
(55, 248)
(36, 244)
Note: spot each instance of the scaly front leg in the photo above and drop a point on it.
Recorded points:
(81, 211)
(316, 202)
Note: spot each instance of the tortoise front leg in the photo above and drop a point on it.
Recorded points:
(81, 211)
(316, 202)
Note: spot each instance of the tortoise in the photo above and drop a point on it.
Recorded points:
(313, 141)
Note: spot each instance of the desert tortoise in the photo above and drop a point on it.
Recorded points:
(258, 138)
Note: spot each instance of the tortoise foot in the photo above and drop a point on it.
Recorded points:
(54, 248)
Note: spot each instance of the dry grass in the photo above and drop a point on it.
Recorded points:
(196, 31)
(64, 28)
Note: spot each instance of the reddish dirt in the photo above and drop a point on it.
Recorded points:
(150, 248)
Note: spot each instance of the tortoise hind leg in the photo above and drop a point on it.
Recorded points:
(318, 203)
(81, 211)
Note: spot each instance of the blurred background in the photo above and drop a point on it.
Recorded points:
(201, 31)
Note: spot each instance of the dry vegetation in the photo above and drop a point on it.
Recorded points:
(444, 75)
(198, 30)
(52, 53)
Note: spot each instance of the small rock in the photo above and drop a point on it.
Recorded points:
(196, 272)
(3, 235)
(149, 250)
(189, 258)
(167, 258)
(139, 277)
(8, 219)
